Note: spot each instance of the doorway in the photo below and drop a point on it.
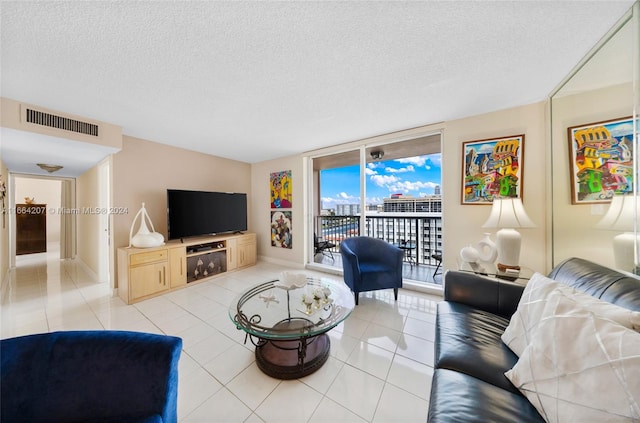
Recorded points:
(71, 205)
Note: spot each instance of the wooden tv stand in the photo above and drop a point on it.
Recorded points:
(147, 272)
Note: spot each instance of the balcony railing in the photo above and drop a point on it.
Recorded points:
(421, 235)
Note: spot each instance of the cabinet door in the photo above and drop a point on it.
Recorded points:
(246, 251)
(178, 266)
(232, 254)
(148, 279)
(31, 228)
(247, 255)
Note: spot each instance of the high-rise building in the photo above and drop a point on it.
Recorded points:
(414, 220)
(347, 209)
(399, 203)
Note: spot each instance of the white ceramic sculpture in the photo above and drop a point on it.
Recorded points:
(144, 238)
(469, 254)
(487, 249)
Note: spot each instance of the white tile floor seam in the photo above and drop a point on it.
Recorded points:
(379, 369)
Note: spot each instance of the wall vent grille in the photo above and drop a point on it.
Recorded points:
(60, 122)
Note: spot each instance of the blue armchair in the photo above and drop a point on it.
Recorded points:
(370, 264)
(97, 376)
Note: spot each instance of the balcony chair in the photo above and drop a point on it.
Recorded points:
(370, 264)
(322, 247)
(438, 258)
(83, 376)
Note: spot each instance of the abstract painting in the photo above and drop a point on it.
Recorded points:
(280, 183)
(492, 168)
(281, 229)
(601, 160)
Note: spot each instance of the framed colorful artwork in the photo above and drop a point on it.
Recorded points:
(281, 229)
(492, 168)
(601, 160)
(280, 183)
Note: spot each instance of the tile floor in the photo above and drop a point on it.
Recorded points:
(379, 370)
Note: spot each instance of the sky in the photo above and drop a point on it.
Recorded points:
(415, 176)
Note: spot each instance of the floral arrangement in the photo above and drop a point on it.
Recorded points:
(319, 298)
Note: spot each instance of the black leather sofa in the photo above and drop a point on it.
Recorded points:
(471, 359)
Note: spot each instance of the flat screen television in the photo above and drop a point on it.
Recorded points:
(193, 213)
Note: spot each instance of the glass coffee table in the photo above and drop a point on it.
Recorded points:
(288, 325)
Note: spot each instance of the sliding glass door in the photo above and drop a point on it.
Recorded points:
(390, 191)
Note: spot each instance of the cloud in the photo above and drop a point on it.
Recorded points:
(342, 198)
(435, 159)
(408, 186)
(428, 162)
(383, 180)
(409, 168)
(370, 171)
(417, 161)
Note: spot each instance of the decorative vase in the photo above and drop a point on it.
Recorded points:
(487, 249)
(144, 238)
(469, 254)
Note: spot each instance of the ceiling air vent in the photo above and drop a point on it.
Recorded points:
(61, 122)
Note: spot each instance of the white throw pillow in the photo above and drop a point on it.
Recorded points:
(580, 367)
(532, 303)
(528, 313)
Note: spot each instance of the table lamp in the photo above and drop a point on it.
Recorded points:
(508, 214)
(621, 216)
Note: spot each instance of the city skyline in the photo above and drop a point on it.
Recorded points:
(415, 176)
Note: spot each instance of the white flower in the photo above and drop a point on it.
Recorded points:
(326, 291)
(318, 294)
(289, 280)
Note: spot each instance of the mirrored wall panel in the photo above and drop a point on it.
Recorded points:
(594, 152)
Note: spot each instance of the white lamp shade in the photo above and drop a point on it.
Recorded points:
(621, 214)
(508, 213)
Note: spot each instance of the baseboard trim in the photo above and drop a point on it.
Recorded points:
(93, 275)
(284, 263)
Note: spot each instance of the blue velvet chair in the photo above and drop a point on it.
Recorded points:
(89, 376)
(370, 264)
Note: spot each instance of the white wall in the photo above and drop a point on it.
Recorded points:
(461, 223)
(261, 208)
(88, 225)
(143, 170)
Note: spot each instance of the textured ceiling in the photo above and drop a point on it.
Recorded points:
(253, 81)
